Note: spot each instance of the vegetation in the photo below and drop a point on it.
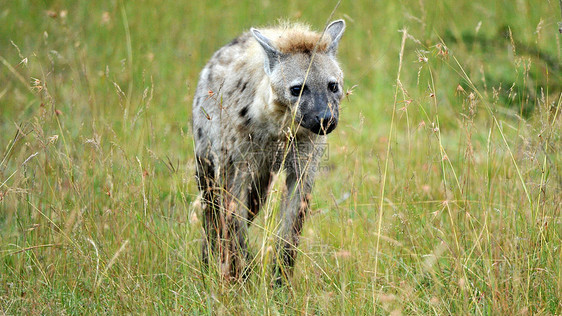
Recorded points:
(441, 192)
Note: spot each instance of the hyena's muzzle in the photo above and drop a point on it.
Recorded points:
(322, 117)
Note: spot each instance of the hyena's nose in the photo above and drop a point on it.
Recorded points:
(324, 124)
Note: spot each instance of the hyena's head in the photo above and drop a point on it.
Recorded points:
(305, 77)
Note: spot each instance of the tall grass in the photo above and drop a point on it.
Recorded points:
(441, 193)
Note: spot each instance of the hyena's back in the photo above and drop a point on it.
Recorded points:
(223, 108)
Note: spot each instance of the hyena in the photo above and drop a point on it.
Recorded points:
(264, 102)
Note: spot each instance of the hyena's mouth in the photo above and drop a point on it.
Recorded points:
(321, 125)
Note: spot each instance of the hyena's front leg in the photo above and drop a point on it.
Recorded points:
(257, 193)
(226, 227)
(233, 223)
(224, 219)
(234, 248)
(300, 179)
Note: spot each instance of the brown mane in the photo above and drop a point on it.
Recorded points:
(299, 39)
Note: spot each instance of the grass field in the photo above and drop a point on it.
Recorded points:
(441, 192)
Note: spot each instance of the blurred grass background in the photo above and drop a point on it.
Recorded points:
(441, 194)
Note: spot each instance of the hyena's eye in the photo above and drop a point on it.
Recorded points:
(333, 86)
(296, 90)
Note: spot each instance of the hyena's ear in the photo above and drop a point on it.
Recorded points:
(272, 55)
(335, 30)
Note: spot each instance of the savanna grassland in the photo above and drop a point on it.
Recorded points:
(441, 191)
